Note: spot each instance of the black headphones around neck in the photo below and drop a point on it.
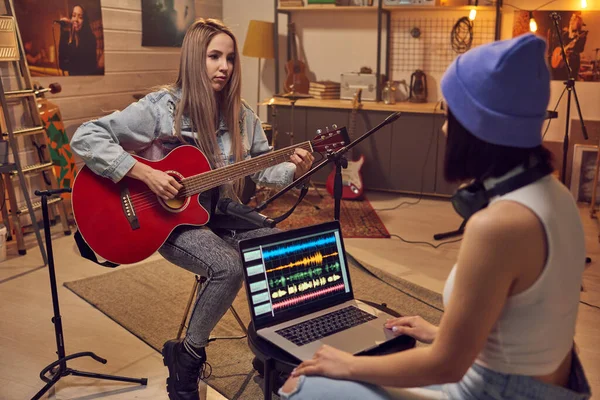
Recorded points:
(474, 197)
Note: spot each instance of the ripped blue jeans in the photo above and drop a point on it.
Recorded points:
(479, 383)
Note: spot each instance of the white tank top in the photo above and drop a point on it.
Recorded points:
(535, 330)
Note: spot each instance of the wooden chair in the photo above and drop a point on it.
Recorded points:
(198, 281)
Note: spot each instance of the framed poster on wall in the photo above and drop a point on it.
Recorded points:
(580, 34)
(582, 173)
(62, 37)
(164, 22)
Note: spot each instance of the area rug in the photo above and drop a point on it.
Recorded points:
(149, 300)
(357, 217)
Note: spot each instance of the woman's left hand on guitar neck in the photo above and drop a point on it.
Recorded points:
(303, 161)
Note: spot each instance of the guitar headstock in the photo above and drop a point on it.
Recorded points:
(330, 140)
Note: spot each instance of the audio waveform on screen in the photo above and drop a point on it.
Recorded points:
(303, 286)
(284, 250)
(299, 299)
(310, 273)
(315, 259)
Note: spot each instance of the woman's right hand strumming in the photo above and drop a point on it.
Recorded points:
(162, 184)
(414, 326)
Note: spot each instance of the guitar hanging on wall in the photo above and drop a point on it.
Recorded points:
(296, 80)
(352, 182)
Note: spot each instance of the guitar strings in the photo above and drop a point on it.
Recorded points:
(211, 178)
(207, 180)
(144, 200)
(151, 202)
(220, 173)
(278, 154)
(144, 194)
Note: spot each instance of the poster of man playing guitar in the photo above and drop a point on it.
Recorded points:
(581, 41)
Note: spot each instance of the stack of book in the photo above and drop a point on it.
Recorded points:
(325, 90)
(291, 3)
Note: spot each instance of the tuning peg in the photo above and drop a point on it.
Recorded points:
(319, 131)
(334, 127)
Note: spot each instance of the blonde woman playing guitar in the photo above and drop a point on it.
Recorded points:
(574, 39)
(155, 191)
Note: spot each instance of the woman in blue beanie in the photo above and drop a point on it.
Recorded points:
(511, 300)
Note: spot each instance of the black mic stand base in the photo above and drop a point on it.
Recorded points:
(59, 368)
(445, 235)
(66, 371)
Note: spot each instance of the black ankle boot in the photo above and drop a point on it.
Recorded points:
(184, 371)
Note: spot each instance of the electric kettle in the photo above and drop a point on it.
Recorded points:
(418, 87)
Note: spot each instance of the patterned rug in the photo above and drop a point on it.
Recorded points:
(149, 300)
(357, 217)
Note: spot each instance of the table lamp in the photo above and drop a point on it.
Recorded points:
(259, 44)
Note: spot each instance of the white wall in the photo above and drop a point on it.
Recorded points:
(237, 14)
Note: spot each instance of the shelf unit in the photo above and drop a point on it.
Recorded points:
(382, 12)
(327, 8)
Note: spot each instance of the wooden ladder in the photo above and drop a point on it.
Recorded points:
(21, 120)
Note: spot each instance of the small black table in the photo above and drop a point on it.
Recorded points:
(271, 360)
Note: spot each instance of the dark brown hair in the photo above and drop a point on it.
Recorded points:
(468, 157)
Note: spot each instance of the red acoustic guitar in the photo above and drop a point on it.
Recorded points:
(352, 181)
(296, 80)
(125, 222)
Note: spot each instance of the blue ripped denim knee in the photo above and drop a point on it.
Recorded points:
(479, 383)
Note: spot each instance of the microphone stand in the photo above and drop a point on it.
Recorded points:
(570, 88)
(340, 161)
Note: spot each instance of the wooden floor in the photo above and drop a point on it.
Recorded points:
(28, 341)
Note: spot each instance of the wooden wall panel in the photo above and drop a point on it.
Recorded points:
(78, 86)
(117, 18)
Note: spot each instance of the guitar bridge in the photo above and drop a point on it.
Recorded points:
(128, 209)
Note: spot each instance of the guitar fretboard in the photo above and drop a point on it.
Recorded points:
(202, 182)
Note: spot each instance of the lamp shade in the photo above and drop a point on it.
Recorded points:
(259, 40)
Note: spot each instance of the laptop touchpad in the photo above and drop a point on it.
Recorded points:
(359, 338)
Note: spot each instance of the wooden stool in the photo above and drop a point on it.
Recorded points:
(199, 280)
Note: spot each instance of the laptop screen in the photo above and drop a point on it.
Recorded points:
(292, 273)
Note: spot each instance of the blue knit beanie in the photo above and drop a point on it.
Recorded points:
(500, 91)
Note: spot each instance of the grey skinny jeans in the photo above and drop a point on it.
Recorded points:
(213, 254)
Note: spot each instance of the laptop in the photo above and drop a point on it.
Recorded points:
(300, 295)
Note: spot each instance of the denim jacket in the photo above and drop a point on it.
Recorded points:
(147, 129)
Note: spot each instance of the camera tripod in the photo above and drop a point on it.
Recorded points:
(570, 89)
(59, 368)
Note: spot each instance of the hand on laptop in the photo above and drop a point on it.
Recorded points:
(329, 362)
(414, 326)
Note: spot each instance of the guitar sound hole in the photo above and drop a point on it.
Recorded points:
(174, 204)
(179, 203)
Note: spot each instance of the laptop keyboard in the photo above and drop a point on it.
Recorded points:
(325, 325)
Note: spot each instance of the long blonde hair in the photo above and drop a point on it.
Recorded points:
(198, 100)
